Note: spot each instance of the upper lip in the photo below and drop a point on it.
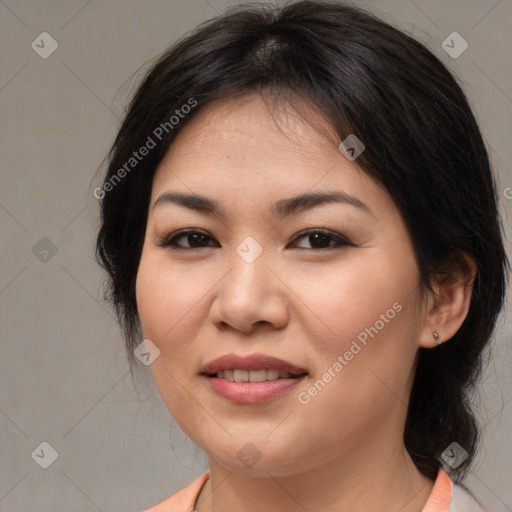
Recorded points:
(251, 362)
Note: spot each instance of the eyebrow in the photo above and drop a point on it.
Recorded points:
(280, 209)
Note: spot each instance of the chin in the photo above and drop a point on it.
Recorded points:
(257, 457)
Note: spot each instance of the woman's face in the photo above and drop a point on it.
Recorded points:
(342, 306)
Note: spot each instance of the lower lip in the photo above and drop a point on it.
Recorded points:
(252, 392)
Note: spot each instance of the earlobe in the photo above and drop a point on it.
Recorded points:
(448, 307)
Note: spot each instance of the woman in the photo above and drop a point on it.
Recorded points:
(299, 218)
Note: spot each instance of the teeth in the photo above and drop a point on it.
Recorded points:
(272, 374)
(252, 376)
(240, 375)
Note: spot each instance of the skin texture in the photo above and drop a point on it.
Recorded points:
(344, 449)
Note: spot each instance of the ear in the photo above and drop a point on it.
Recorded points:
(447, 308)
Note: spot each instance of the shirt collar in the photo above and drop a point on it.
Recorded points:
(441, 495)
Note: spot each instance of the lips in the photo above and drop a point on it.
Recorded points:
(253, 362)
(256, 379)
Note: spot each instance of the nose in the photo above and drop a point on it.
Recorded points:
(250, 296)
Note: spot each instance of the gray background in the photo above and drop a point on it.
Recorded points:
(63, 370)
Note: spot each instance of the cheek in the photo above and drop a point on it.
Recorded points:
(168, 307)
(366, 314)
(357, 298)
(167, 298)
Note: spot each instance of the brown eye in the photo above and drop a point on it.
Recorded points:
(194, 238)
(322, 239)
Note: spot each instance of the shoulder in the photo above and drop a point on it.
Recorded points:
(462, 501)
(184, 500)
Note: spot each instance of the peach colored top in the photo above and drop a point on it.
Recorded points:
(441, 499)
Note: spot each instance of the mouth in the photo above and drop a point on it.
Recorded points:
(252, 379)
(252, 368)
(239, 375)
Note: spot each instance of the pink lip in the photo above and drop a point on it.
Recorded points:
(252, 362)
(252, 392)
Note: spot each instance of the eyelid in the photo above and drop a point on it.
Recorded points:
(333, 234)
(168, 240)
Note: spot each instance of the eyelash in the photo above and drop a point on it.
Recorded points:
(169, 241)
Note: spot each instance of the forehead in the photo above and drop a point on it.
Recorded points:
(252, 125)
(244, 148)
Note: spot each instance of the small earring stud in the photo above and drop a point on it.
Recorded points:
(436, 337)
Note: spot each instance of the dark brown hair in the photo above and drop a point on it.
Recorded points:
(422, 143)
